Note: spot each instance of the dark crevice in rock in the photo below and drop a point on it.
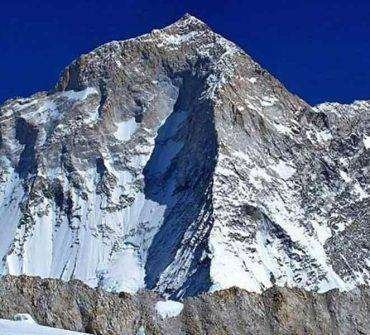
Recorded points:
(26, 134)
(58, 194)
(69, 207)
(102, 103)
(66, 159)
(100, 167)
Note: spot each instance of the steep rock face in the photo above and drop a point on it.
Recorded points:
(278, 310)
(174, 162)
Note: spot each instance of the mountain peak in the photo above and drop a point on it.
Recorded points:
(188, 22)
(186, 38)
(171, 160)
(190, 19)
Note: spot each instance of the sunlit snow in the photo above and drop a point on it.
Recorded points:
(168, 308)
(125, 129)
(366, 141)
(8, 327)
(284, 170)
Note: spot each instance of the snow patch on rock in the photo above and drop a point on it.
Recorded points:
(168, 308)
(284, 170)
(125, 129)
(366, 141)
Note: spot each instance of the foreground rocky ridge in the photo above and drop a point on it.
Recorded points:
(279, 310)
(172, 160)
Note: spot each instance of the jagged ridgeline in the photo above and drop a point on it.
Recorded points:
(174, 162)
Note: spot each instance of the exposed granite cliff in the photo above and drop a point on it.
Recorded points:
(278, 310)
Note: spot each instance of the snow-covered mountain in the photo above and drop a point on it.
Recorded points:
(174, 162)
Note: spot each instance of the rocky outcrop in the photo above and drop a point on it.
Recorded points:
(279, 310)
(174, 162)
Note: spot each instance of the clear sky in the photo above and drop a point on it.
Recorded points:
(320, 50)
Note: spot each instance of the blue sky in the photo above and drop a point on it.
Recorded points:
(320, 50)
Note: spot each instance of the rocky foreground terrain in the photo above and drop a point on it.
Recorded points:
(278, 310)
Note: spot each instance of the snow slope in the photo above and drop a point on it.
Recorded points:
(8, 327)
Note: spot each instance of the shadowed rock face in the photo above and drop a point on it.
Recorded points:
(184, 187)
(26, 135)
(174, 162)
(278, 310)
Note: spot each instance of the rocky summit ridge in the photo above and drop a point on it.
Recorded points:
(174, 162)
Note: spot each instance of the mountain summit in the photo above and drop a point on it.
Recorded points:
(174, 162)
